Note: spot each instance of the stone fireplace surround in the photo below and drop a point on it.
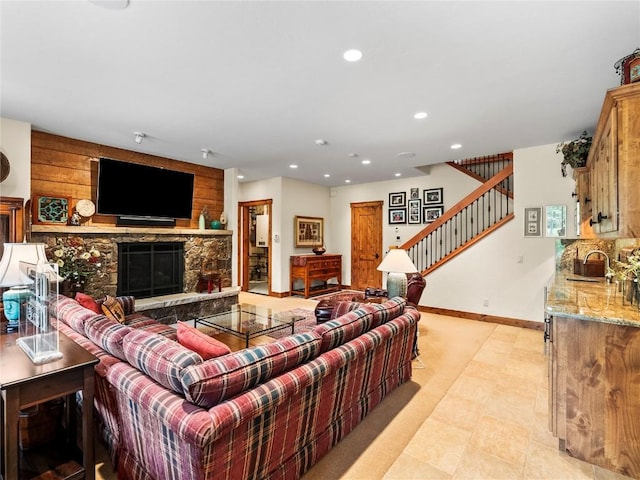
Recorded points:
(198, 246)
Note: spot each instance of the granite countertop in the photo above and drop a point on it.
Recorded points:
(592, 301)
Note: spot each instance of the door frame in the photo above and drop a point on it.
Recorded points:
(244, 243)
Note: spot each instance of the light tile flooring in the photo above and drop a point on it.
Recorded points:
(493, 421)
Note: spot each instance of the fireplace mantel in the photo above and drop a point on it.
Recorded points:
(89, 230)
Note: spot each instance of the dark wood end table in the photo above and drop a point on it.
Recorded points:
(24, 384)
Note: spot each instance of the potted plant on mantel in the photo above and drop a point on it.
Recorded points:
(575, 152)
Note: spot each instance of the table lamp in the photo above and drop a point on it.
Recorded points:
(397, 264)
(14, 279)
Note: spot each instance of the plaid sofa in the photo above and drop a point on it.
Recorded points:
(264, 412)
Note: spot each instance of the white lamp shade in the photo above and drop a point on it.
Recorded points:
(11, 274)
(397, 261)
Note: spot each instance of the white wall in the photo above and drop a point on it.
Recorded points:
(15, 142)
(290, 198)
(489, 270)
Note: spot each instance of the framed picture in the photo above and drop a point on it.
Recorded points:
(430, 214)
(397, 215)
(432, 196)
(556, 220)
(533, 222)
(50, 210)
(309, 231)
(415, 194)
(415, 215)
(398, 199)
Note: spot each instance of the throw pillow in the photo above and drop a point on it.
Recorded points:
(196, 341)
(112, 309)
(87, 301)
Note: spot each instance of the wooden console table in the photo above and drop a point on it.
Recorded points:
(24, 384)
(315, 267)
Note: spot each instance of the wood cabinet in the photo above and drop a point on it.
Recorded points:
(318, 269)
(614, 165)
(594, 393)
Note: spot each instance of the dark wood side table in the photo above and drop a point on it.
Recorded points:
(24, 384)
(315, 267)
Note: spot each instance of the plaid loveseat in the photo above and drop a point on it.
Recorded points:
(264, 412)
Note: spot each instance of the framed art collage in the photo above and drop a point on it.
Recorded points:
(414, 210)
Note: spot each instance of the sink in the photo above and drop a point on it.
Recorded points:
(590, 280)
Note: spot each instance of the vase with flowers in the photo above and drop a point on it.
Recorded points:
(76, 263)
(575, 152)
(629, 275)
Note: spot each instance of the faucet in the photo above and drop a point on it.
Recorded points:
(607, 272)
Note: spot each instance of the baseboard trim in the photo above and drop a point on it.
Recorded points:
(481, 317)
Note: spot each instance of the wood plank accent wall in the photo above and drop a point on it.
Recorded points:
(66, 167)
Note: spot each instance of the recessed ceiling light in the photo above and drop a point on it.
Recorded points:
(366, 162)
(347, 181)
(326, 175)
(240, 177)
(406, 155)
(320, 141)
(420, 115)
(398, 174)
(456, 146)
(352, 55)
(353, 155)
(293, 165)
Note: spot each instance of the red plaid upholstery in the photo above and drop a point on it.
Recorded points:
(276, 430)
(108, 334)
(281, 408)
(220, 378)
(160, 358)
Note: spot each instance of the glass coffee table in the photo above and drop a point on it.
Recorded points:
(249, 321)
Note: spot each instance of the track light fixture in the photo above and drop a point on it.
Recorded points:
(139, 137)
(205, 153)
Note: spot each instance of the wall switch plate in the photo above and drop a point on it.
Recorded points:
(485, 302)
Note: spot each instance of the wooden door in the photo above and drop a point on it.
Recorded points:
(11, 221)
(366, 245)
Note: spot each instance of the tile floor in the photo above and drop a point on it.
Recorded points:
(493, 423)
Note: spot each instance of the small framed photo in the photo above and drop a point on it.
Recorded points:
(432, 213)
(309, 231)
(397, 215)
(50, 210)
(398, 199)
(415, 194)
(432, 196)
(415, 214)
(533, 222)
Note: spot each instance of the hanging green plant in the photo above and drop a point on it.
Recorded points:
(575, 152)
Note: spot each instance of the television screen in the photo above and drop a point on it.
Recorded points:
(130, 189)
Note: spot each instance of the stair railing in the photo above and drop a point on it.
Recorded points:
(485, 209)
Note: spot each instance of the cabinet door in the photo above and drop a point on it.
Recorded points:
(583, 192)
(604, 180)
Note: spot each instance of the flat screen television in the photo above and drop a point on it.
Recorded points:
(131, 190)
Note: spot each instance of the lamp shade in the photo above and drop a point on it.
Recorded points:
(397, 261)
(14, 253)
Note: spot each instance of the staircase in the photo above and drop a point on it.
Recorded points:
(474, 217)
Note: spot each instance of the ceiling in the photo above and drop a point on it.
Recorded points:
(257, 83)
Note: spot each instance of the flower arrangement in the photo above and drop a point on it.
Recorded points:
(575, 152)
(75, 262)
